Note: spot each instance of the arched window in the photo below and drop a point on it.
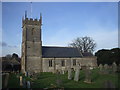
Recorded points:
(50, 63)
(74, 62)
(63, 63)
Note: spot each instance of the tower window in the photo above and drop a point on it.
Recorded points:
(50, 63)
(74, 62)
(63, 63)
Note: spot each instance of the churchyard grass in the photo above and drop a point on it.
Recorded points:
(49, 80)
(13, 81)
(46, 79)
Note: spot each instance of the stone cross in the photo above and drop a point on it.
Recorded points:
(114, 67)
(69, 73)
(77, 73)
(88, 73)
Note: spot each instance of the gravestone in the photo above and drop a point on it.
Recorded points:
(24, 83)
(21, 81)
(106, 69)
(77, 73)
(6, 80)
(63, 72)
(58, 80)
(70, 74)
(101, 68)
(88, 78)
(60, 71)
(28, 84)
(114, 67)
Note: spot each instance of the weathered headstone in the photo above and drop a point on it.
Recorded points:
(106, 69)
(70, 74)
(114, 67)
(77, 73)
(58, 80)
(88, 73)
(6, 80)
(24, 83)
(21, 81)
(28, 84)
(101, 68)
(63, 72)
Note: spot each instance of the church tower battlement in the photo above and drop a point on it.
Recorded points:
(31, 21)
(31, 45)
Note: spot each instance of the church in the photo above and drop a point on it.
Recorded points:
(37, 58)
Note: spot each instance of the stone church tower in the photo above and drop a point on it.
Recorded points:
(31, 60)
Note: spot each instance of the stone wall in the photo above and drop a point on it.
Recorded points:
(57, 63)
(33, 65)
(31, 60)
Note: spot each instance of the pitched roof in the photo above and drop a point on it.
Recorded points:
(87, 54)
(60, 52)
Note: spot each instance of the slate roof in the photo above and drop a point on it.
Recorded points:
(60, 52)
(87, 54)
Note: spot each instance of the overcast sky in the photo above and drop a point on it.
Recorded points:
(62, 22)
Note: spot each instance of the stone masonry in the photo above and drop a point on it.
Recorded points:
(32, 60)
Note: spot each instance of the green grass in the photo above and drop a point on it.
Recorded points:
(49, 80)
(46, 79)
(13, 81)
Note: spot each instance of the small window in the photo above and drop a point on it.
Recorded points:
(50, 63)
(74, 62)
(63, 63)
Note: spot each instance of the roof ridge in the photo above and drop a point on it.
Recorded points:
(59, 46)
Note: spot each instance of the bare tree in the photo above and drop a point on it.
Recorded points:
(8, 56)
(84, 44)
